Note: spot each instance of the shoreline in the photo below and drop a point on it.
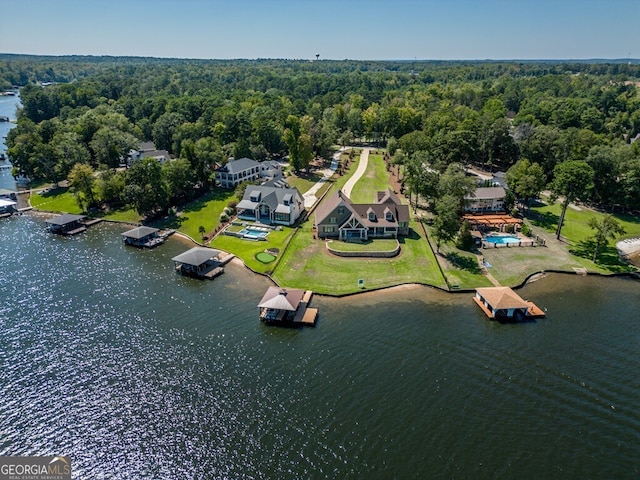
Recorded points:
(530, 278)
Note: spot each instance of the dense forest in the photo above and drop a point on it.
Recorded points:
(495, 115)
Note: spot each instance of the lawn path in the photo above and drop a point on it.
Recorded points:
(362, 167)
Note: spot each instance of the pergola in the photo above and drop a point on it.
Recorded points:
(498, 221)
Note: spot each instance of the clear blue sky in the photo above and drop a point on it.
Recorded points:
(335, 29)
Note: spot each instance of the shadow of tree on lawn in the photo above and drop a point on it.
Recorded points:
(463, 263)
(607, 255)
(546, 220)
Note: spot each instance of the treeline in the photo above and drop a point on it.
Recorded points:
(491, 114)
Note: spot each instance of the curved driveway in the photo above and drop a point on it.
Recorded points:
(362, 167)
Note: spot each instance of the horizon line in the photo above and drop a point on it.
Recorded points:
(311, 59)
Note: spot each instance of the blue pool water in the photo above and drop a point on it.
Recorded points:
(253, 233)
(502, 239)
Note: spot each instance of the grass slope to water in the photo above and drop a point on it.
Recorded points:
(307, 264)
(204, 211)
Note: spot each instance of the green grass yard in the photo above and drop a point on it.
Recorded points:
(375, 179)
(247, 249)
(307, 264)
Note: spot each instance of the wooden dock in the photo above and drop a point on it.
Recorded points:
(306, 315)
(216, 272)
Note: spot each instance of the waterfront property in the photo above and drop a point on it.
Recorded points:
(143, 237)
(502, 303)
(7, 208)
(486, 199)
(147, 150)
(339, 218)
(67, 224)
(288, 307)
(269, 204)
(199, 262)
(237, 171)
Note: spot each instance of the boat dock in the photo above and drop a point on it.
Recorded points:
(306, 315)
(287, 307)
(503, 304)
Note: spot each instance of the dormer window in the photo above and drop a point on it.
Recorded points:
(372, 215)
(388, 215)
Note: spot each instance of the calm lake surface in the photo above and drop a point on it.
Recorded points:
(111, 358)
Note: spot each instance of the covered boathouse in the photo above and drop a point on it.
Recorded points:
(7, 207)
(142, 237)
(287, 307)
(199, 262)
(502, 303)
(67, 224)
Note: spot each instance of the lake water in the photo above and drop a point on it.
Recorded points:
(8, 105)
(111, 358)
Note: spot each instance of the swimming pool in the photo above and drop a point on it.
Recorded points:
(254, 233)
(502, 239)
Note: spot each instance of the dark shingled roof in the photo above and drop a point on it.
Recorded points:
(196, 256)
(140, 232)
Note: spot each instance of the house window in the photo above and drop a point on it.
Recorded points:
(329, 229)
(332, 220)
(372, 216)
(389, 217)
(340, 210)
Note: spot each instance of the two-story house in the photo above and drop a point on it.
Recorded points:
(269, 204)
(237, 171)
(339, 218)
(486, 199)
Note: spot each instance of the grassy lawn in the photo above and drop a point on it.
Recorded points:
(205, 211)
(375, 179)
(307, 264)
(303, 181)
(128, 215)
(461, 268)
(577, 232)
(247, 249)
(57, 200)
(377, 245)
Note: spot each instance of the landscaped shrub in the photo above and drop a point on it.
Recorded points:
(224, 218)
(526, 230)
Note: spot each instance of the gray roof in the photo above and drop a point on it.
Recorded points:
(140, 232)
(197, 256)
(485, 193)
(4, 192)
(235, 166)
(6, 203)
(281, 298)
(65, 219)
(271, 196)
